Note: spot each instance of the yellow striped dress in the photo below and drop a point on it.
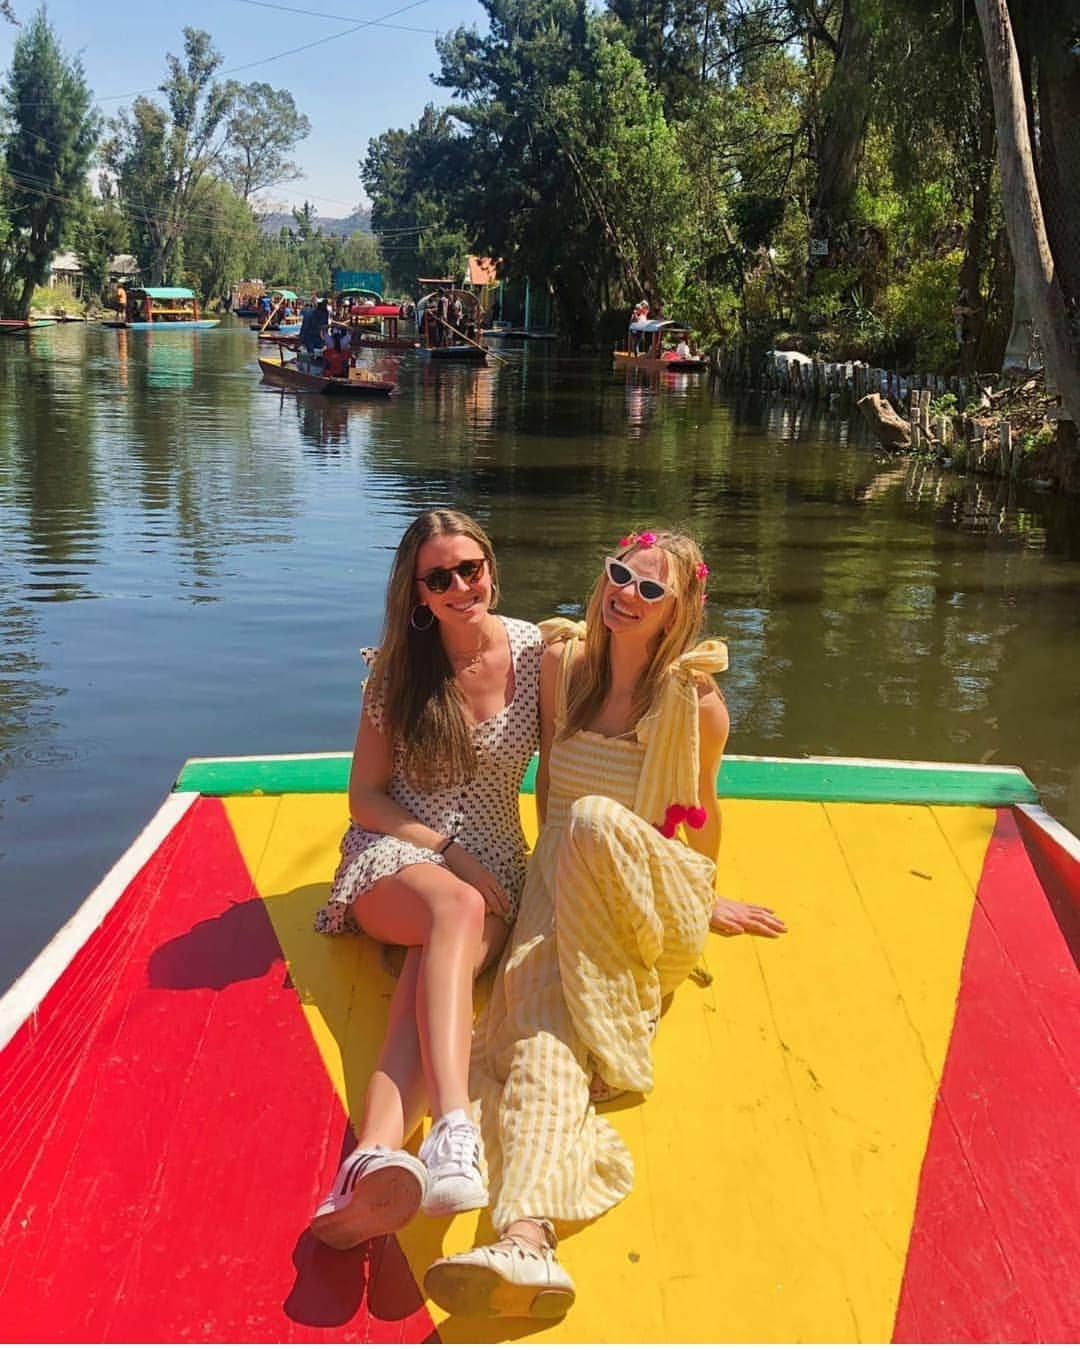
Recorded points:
(613, 916)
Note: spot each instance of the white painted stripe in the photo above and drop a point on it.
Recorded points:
(25, 996)
(1053, 828)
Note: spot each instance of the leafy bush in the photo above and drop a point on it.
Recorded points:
(48, 299)
(917, 310)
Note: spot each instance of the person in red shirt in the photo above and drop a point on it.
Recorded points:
(335, 358)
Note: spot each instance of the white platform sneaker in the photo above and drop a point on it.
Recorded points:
(451, 1154)
(510, 1278)
(377, 1190)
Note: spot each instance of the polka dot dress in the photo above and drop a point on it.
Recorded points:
(481, 814)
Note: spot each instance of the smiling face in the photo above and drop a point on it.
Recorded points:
(464, 603)
(623, 609)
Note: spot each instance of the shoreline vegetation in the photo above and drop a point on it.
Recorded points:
(885, 184)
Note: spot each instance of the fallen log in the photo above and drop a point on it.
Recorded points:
(887, 425)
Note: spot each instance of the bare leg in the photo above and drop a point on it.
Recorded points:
(395, 1098)
(424, 906)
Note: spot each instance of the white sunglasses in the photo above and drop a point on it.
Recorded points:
(648, 588)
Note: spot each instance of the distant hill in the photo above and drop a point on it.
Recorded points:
(359, 220)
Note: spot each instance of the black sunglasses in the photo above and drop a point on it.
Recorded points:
(439, 578)
(620, 575)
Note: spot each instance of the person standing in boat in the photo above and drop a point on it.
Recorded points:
(434, 861)
(614, 915)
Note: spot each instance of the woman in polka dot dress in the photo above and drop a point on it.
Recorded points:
(434, 861)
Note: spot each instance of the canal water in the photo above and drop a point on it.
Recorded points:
(190, 562)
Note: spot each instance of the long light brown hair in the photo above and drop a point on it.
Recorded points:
(591, 677)
(422, 701)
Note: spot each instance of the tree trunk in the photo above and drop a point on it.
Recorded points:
(973, 268)
(1059, 160)
(1022, 207)
(846, 104)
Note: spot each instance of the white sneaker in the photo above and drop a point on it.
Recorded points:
(451, 1154)
(377, 1190)
(508, 1279)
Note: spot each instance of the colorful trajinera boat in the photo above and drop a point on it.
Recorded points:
(441, 337)
(648, 344)
(282, 316)
(14, 326)
(864, 1131)
(306, 374)
(161, 307)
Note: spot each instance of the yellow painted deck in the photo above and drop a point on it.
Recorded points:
(778, 1159)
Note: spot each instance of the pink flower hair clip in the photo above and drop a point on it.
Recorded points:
(645, 539)
(702, 571)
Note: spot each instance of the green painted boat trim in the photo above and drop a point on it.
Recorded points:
(744, 776)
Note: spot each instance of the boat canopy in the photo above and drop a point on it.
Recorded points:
(359, 290)
(285, 295)
(436, 281)
(658, 326)
(164, 292)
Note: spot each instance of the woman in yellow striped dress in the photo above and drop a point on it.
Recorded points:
(614, 915)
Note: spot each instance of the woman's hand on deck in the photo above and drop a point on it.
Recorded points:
(469, 869)
(729, 918)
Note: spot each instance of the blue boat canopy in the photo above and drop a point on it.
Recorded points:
(658, 325)
(164, 292)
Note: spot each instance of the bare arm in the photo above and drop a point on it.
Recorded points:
(550, 664)
(729, 917)
(713, 728)
(370, 806)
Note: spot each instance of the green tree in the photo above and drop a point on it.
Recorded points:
(161, 157)
(262, 130)
(221, 240)
(100, 234)
(50, 133)
(411, 177)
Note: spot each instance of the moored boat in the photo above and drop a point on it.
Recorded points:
(648, 345)
(15, 326)
(873, 1120)
(161, 307)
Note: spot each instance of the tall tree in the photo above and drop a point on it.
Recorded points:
(161, 156)
(51, 130)
(220, 240)
(1023, 207)
(263, 128)
(100, 234)
(410, 177)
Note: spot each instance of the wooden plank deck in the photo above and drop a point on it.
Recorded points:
(859, 1132)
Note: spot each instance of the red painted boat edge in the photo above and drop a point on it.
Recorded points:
(996, 1228)
(25, 996)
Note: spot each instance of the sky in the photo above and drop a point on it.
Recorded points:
(352, 87)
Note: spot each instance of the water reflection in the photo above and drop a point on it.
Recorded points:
(215, 552)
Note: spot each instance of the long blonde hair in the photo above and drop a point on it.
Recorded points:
(422, 701)
(591, 677)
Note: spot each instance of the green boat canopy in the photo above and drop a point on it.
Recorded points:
(165, 292)
(285, 295)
